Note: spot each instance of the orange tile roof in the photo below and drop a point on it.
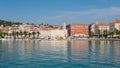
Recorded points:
(48, 28)
(102, 24)
(58, 27)
(80, 32)
(115, 21)
(6, 29)
(34, 28)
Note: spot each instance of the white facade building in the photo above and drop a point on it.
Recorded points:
(115, 25)
(101, 27)
(54, 33)
(25, 27)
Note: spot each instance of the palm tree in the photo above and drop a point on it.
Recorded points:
(25, 33)
(14, 34)
(21, 33)
(33, 33)
(98, 32)
(116, 31)
(38, 33)
(111, 34)
(17, 33)
(29, 34)
(105, 33)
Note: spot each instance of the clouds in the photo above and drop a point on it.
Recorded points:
(86, 16)
(59, 17)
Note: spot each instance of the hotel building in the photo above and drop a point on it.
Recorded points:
(78, 30)
(101, 28)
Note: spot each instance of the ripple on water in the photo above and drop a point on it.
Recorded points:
(75, 54)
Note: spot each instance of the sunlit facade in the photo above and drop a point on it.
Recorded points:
(115, 25)
(101, 27)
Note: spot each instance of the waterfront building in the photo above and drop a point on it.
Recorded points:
(78, 30)
(101, 29)
(6, 29)
(25, 27)
(14, 29)
(115, 25)
(34, 29)
(54, 33)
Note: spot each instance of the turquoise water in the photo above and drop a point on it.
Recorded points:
(59, 54)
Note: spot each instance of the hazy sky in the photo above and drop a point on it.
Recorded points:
(59, 11)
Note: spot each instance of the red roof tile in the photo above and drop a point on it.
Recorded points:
(115, 21)
(48, 28)
(102, 24)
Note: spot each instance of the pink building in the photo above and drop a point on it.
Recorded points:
(78, 30)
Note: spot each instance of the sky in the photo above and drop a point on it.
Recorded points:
(56, 12)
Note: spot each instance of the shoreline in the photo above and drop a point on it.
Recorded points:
(106, 39)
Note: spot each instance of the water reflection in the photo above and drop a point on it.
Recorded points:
(78, 53)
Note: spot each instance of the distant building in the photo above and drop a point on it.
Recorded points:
(78, 30)
(101, 28)
(53, 32)
(25, 27)
(115, 25)
(92, 28)
(14, 29)
(34, 29)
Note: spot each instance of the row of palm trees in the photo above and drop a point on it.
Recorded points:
(106, 33)
(115, 32)
(20, 34)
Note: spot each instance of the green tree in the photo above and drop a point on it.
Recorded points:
(29, 34)
(21, 34)
(105, 33)
(116, 31)
(98, 32)
(6, 23)
(33, 33)
(25, 33)
(91, 33)
(4, 34)
(14, 34)
(111, 34)
(38, 33)
(17, 33)
(1, 34)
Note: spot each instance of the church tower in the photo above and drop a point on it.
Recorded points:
(64, 26)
